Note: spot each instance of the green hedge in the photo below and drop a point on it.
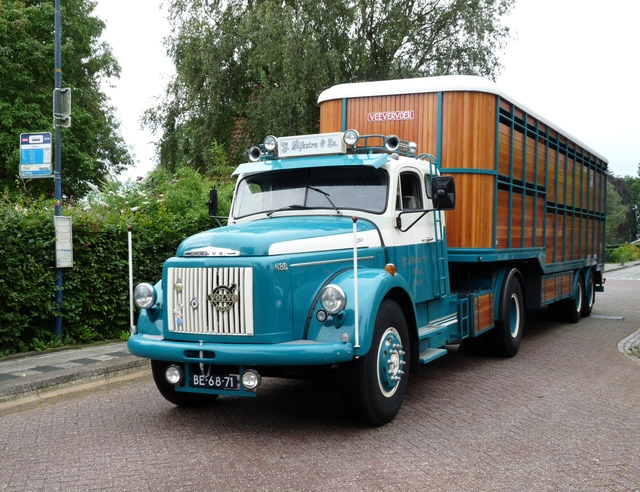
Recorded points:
(626, 252)
(161, 211)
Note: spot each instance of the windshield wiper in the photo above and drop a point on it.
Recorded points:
(322, 192)
(288, 207)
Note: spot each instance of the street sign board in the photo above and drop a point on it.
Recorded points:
(35, 155)
(64, 241)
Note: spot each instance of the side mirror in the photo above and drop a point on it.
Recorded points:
(443, 191)
(213, 203)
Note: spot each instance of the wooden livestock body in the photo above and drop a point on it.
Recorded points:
(525, 189)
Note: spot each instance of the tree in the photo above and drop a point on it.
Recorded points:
(246, 68)
(628, 189)
(93, 146)
(617, 217)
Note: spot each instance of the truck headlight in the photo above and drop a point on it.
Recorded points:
(144, 296)
(333, 299)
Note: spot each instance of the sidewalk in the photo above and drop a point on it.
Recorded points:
(611, 267)
(33, 376)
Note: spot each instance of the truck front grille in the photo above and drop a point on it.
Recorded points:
(210, 301)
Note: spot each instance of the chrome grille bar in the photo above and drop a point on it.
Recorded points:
(210, 301)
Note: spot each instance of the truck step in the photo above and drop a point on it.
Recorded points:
(428, 330)
(431, 354)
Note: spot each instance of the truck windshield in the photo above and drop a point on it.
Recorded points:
(334, 188)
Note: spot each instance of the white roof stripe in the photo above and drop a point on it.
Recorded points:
(445, 83)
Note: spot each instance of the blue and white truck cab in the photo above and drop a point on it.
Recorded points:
(334, 258)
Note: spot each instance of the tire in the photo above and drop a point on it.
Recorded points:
(589, 296)
(572, 308)
(507, 335)
(373, 386)
(158, 368)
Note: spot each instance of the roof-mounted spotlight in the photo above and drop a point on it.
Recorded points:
(351, 137)
(270, 143)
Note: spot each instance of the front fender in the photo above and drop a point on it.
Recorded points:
(150, 321)
(374, 285)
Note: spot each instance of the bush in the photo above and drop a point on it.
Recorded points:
(162, 211)
(627, 252)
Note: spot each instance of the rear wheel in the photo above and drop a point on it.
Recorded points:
(373, 386)
(589, 296)
(569, 310)
(168, 391)
(508, 332)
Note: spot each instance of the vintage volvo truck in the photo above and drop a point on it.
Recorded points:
(354, 254)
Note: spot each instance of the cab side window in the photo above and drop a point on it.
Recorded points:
(409, 192)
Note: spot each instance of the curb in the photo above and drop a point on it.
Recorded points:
(44, 386)
(628, 343)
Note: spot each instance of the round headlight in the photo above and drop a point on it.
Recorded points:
(144, 296)
(333, 299)
(270, 143)
(351, 137)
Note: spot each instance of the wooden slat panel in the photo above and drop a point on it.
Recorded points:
(518, 156)
(484, 312)
(504, 162)
(552, 172)
(470, 225)
(421, 129)
(516, 220)
(561, 179)
(555, 287)
(540, 209)
(331, 116)
(468, 131)
(531, 160)
(502, 233)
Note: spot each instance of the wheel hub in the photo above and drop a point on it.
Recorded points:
(390, 362)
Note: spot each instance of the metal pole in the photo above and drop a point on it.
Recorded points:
(57, 177)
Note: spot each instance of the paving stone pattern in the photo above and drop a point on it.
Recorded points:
(563, 415)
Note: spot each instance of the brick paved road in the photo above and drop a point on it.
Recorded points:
(562, 415)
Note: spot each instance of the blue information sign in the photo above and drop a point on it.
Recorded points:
(35, 155)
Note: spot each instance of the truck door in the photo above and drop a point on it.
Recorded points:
(415, 251)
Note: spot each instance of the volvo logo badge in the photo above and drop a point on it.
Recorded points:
(223, 298)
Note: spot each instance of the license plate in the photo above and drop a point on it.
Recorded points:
(216, 381)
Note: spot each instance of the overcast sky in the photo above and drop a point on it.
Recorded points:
(574, 62)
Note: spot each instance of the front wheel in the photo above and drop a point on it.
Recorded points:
(373, 386)
(168, 391)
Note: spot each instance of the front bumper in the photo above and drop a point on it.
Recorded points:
(296, 353)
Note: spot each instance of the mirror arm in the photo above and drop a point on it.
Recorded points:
(399, 222)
